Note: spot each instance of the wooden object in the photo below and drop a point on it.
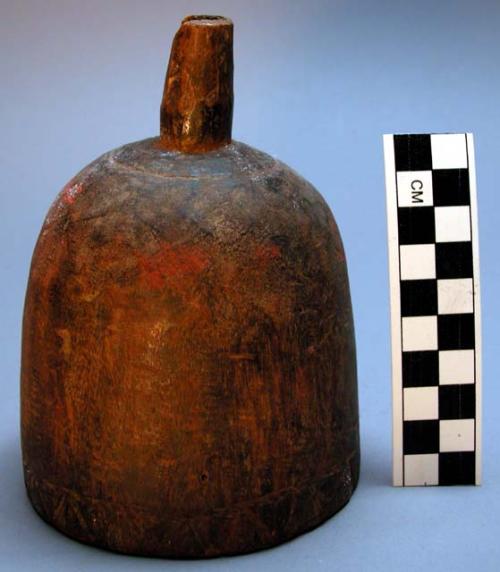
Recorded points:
(188, 367)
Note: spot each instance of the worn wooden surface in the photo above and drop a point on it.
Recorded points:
(197, 106)
(188, 368)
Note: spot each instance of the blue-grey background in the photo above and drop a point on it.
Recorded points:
(317, 83)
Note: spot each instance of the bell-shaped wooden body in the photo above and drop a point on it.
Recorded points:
(188, 369)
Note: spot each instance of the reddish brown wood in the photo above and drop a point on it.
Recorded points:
(197, 107)
(188, 368)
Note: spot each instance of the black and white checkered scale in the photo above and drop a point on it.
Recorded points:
(437, 303)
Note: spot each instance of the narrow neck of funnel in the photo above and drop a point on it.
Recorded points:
(197, 106)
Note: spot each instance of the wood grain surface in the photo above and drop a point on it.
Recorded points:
(188, 369)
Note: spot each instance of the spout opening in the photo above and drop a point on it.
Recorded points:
(206, 20)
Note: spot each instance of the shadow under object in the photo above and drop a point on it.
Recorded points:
(188, 368)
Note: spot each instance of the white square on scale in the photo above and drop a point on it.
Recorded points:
(452, 224)
(418, 261)
(455, 296)
(456, 435)
(420, 403)
(420, 333)
(414, 188)
(449, 151)
(456, 367)
(421, 470)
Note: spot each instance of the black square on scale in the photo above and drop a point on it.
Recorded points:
(420, 437)
(420, 369)
(416, 225)
(450, 187)
(457, 401)
(457, 468)
(456, 332)
(413, 152)
(418, 297)
(454, 260)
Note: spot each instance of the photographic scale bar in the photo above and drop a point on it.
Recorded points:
(435, 309)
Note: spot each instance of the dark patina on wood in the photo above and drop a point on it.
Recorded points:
(197, 107)
(188, 372)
